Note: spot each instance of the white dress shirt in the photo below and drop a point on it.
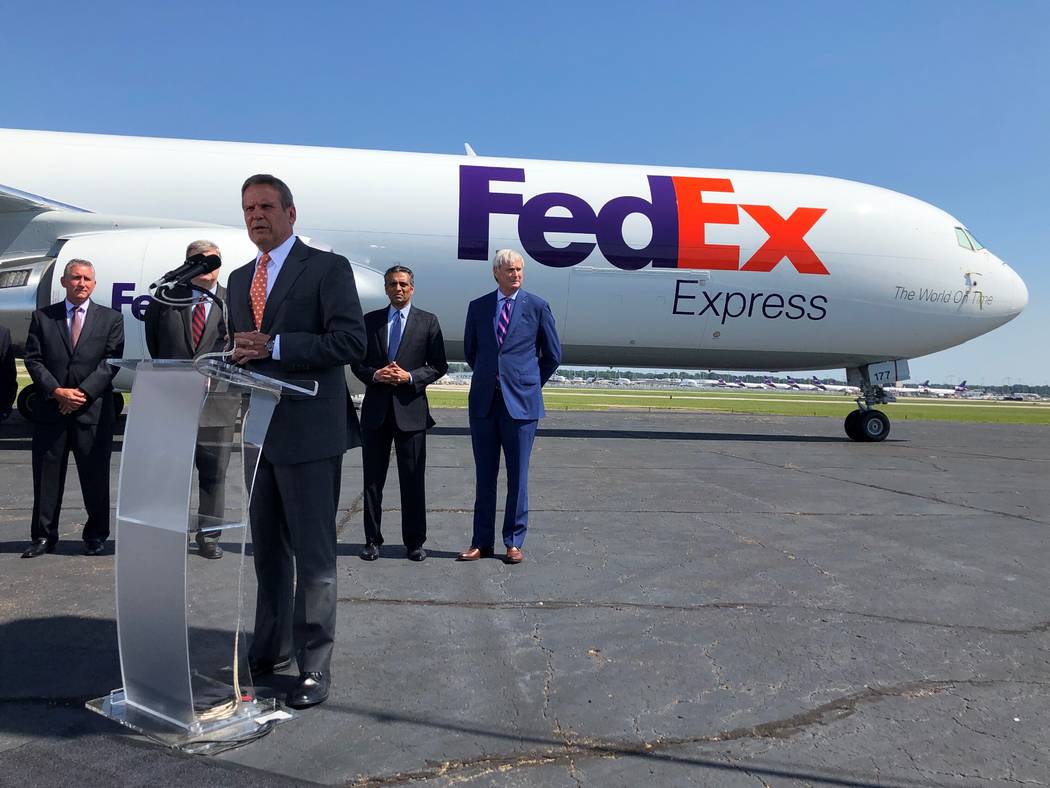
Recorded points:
(273, 269)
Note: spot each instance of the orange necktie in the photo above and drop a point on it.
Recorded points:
(258, 290)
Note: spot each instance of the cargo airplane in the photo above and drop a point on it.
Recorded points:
(647, 266)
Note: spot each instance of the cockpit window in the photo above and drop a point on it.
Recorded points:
(977, 245)
(963, 238)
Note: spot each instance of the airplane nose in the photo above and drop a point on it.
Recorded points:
(1014, 290)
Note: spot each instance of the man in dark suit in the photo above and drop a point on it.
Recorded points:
(66, 353)
(511, 344)
(404, 354)
(8, 374)
(294, 314)
(187, 332)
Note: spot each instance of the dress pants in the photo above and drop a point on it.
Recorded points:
(488, 435)
(411, 451)
(293, 511)
(92, 447)
(212, 459)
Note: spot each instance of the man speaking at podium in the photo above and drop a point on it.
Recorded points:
(295, 315)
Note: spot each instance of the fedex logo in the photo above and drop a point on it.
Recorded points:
(676, 209)
(124, 295)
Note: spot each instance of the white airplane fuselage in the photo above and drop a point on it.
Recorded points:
(642, 265)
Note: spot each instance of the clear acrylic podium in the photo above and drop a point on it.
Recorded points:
(183, 659)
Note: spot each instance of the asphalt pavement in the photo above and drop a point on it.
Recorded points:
(706, 599)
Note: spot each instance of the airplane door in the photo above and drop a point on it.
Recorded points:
(636, 316)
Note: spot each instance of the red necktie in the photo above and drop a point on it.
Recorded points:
(258, 290)
(198, 324)
(76, 326)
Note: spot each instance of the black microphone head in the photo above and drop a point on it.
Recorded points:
(210, 261)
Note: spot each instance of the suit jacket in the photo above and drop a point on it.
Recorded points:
(530, 354)
(421, 354)
(53, 363)
(8, 371)
(169, 334)
(314, 308)
(169, 329)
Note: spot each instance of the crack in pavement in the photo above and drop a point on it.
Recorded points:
(577, 748)
(355, 506)
(560, 604)
(879, 487)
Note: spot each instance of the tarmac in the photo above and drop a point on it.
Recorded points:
(706, 599)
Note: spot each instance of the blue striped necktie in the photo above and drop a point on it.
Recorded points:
(504, 320)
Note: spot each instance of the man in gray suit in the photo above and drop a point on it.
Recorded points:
(188, 332)
(295, 315)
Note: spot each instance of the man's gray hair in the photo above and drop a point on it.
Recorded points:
(506, 257)
(397, 268)
(202, 246)
(76, 261)
(264, 179)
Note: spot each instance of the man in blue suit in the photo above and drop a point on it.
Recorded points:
(512, 346)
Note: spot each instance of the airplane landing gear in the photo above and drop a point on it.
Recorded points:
(867, 425)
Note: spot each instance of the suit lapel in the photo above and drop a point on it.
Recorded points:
(211, 326)
(410, 329)
(519, 304)
(293, 267)
(89, 327)
(62, 326)
(384, 326)
(186, 319)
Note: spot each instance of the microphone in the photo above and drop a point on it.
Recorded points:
(192, 268)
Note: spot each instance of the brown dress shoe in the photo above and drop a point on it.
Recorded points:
(514, 555)
(474, 553)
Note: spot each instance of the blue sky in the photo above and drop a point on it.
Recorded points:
(945, 101)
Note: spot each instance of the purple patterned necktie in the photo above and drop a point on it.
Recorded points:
(503, 323)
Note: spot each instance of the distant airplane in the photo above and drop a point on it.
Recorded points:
(769, 383)
(645, 266)
(729, 384)
(834, 387)
(944, 392)
(798, 385)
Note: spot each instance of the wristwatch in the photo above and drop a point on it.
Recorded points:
(269, 345)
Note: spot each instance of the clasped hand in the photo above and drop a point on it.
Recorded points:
(69, 400)
(392, 374)
(249, 346)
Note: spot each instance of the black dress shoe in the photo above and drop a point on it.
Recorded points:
(39, 547)
(311, 690)
(94, 547)
(370, 552)
(209, 550)
(264, 667)
(417, 554)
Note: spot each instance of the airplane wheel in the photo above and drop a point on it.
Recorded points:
(873, 425)
(118, 402)
(28, 400)
(851, 425)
